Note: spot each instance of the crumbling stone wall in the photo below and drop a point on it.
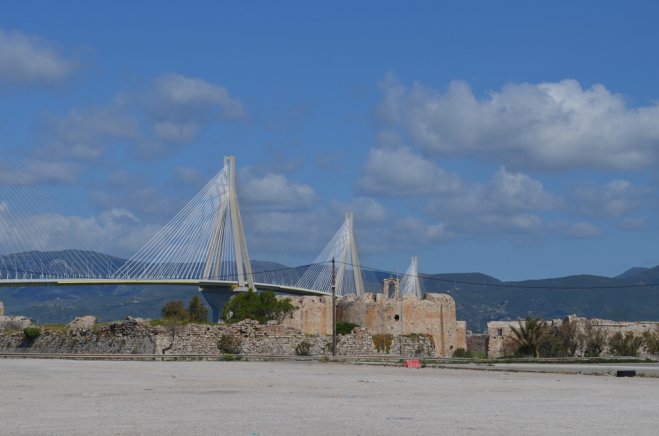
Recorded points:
(434, 316)
(500, 333)
(477, 343)
(313, 316)
(137, 336)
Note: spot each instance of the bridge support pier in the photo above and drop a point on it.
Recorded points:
(217, 297)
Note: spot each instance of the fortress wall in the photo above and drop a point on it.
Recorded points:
(435, 316)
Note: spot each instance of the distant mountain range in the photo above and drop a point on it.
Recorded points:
(479, 297)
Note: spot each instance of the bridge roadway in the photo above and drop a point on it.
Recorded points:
(204, 284)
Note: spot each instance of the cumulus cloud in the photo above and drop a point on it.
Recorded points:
(614, 199)
(39, 172)
(399, 172)
(180, 105)
(416, 231)
(149, 201)
(115, 231)
(576, 230)
(274, 192)
(84, 135)
(29, 60)
(172, 112)
(365, 209)
(558, 125)
(516, 190)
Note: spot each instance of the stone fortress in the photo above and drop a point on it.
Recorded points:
(389, 313)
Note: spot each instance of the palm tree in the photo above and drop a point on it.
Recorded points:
(530, 335)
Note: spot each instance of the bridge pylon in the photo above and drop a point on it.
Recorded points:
(410, 284)
(343, 249)
(229, 209)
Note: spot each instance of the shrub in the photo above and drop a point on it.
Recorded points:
(627, 345)
(382, 342)
(529, 336)
(230, 344)
(593, 340)
(345, 327)
(31, 333)
(230, 357)
(303, 349)
(175, 311)
(651, 342)
(259, 306)
(553, 343)
(461, 352)
(197, 311)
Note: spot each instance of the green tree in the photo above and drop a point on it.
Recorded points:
(259, 306)
(593, 339)
(345, 327)
(175, 311)
(627, 345)
(651, 342)
(197, 311)
(529, 336)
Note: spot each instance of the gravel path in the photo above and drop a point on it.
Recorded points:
(282, 398)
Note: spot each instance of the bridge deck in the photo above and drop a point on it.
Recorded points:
(20, 283)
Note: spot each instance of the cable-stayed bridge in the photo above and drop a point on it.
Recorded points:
(203, 245)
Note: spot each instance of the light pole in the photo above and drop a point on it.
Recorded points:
(333, 308)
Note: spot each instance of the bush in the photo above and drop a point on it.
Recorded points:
(303, 349)
(651, 342)
(259, 306)
(461, 352)
(345, 327)
(197, 311)
(230, 344)
(31, 333)
(627, 345)
(382, 342)
(175, 311)
(593, 340)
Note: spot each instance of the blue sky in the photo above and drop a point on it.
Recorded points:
(517, 139)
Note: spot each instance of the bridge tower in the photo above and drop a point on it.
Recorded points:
(229, 209)
(410, 284)
(359, 284)
(343, 249)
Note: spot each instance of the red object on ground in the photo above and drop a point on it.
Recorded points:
(412, 363)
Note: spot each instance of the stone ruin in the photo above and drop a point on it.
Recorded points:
(386, 314)
(499, 333)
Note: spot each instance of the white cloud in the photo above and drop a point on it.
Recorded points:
(632, 223)
(38, 172)
(520, 191)
(615, 199)
(414, 231)
(180, 106)
(84, 135)
(547, 125)
(365, 209)
(274, 192)
(29, 60)
(576, 230)
(399, 172)
(188, 176)
(115, 231)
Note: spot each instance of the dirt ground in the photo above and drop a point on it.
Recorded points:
(282, 398)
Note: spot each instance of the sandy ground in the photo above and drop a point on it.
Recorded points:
(282, 398)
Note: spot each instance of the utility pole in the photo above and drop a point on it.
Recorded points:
(333, 308)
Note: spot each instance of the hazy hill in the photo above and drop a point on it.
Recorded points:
(479, 297)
